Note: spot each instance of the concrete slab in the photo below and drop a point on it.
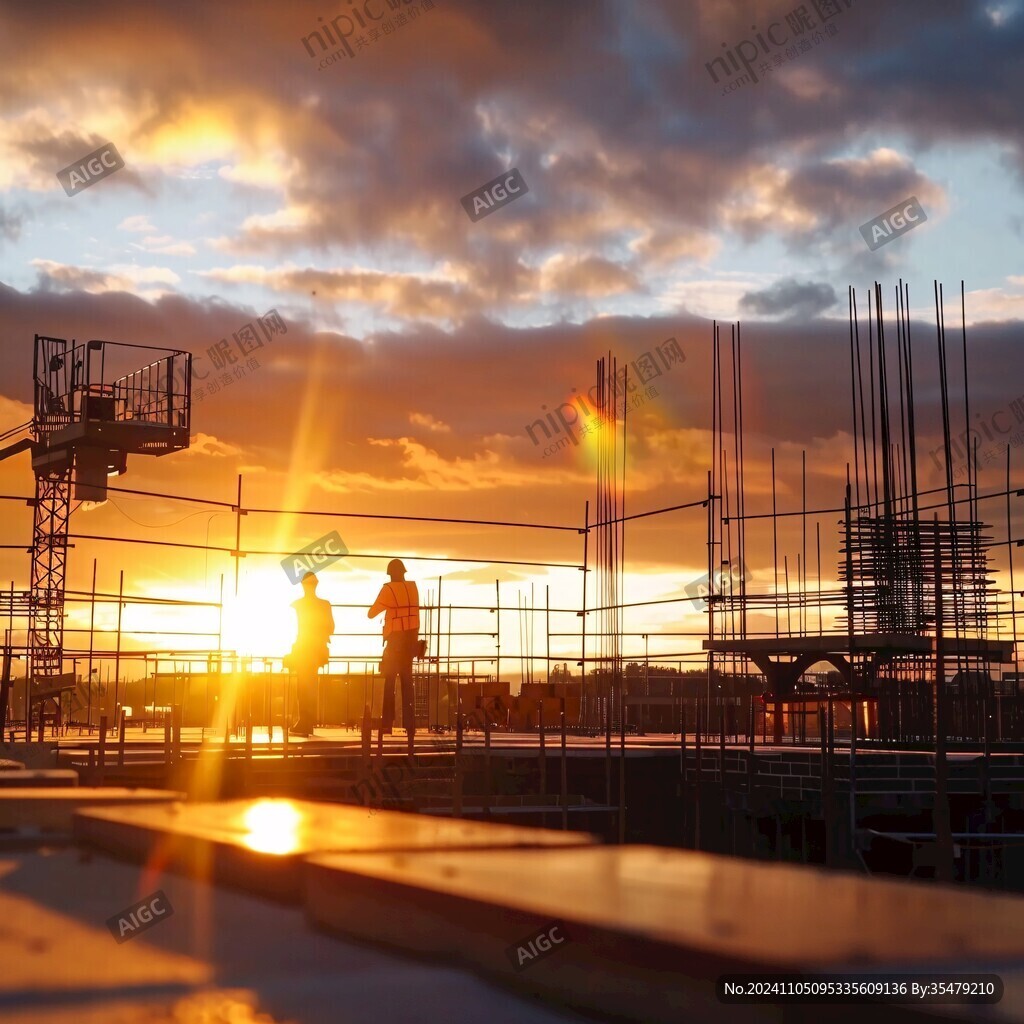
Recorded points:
(259, 844)
(52, 809)
(32, 754)
(649, 930)
(221, 957)
(40, 777)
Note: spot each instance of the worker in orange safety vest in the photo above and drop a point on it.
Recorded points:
(400, 602)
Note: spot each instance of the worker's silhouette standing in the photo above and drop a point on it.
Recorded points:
(315, 624)
(400, 602)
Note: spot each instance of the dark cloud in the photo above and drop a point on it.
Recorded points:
(10, 223)
(788, 297)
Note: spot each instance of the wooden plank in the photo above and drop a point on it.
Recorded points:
(649, 930)
(259, 844)
(60, 778)
(53, 809)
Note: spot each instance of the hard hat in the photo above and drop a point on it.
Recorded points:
(395, 566)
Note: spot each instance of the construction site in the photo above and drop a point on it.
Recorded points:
(873, 721)
(511, 512)
(850, 711)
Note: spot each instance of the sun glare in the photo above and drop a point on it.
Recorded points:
(272, 827)
(259, 622)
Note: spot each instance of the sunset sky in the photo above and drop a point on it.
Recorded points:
(421, 345)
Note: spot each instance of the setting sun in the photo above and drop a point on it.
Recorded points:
(259, 622)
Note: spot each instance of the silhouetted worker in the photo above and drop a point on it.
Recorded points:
(400, 602)
(315, 622)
